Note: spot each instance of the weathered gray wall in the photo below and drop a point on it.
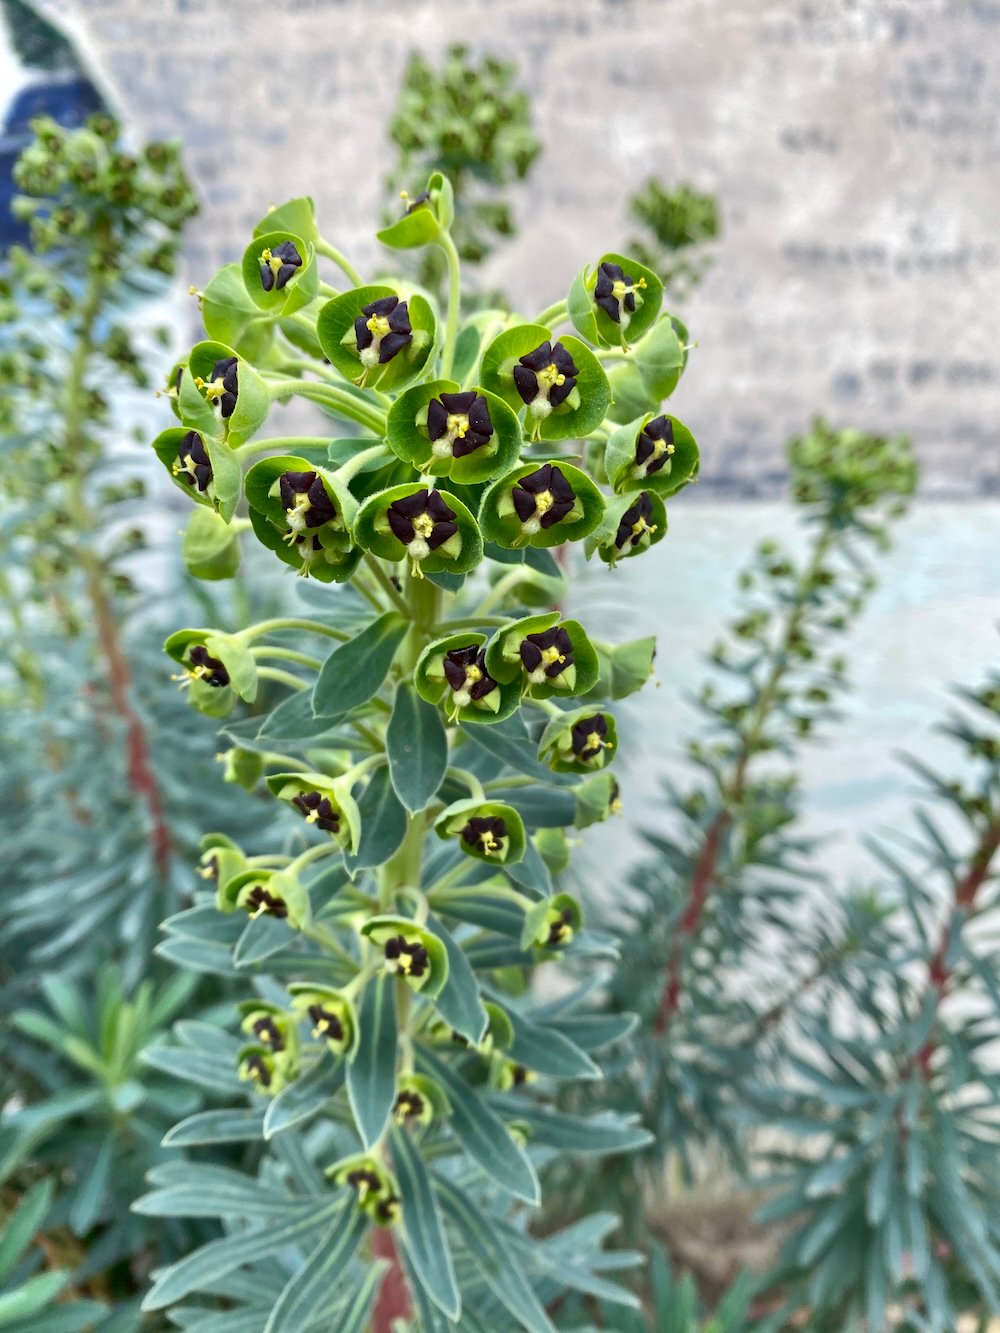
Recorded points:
(854, 146)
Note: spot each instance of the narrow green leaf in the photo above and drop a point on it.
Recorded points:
(355, 670)
(548, 1052)
(459, 1003)
(497, 1266)
(30, 1297)
(302, 1099)
(383, 823)
(482, 1133)
(423, 1232)
(228, 1126)
(210, 1263)
(306, 1288)
(594, 1136)
(22, 1224)
(417, 746)
(371, 1074)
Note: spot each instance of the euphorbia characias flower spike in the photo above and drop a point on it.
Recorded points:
(392, 923)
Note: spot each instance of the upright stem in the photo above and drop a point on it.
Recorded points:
(338, 400)
(119, 676)
(454, 301)
(964, 896)
(732, 793)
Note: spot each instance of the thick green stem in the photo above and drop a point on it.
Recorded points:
(291, 622)
(342, 262)
(287, 445)
(552, 315)
(387, 585)
(354, 465)
(338, 400)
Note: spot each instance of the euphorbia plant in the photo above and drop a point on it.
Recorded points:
(434, 758)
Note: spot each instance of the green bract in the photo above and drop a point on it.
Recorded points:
(210, 550)
(548, 655)
(260, 892)
(429, 426)
(452, 673)
(365, 347)
(218, 668)
(615, 301)
(489, 830)
(579, 742)
(323, 801)
(431, 528)
(280, 273)
(331, 1015)
(426, 218)
(202, 466)
(303, 513)
(410, 952)
(552, 924)
(541, 504)
(631, 524)
(221, 394)
(549, 415)
(654, 453)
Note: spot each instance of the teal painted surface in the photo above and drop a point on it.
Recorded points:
(933, 621)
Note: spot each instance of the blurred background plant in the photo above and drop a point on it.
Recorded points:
(472, 122)
(676, 227)
(104, 779)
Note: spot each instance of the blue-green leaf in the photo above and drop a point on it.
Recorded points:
(417, 746)
(481, 1133)
(355, 670)
(306, 1288)
(423, 1232)
(459, 1003)
(371, 1074)
(383, 823)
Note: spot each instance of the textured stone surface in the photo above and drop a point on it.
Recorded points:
(854, 147)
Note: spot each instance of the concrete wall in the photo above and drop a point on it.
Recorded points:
(853, 144)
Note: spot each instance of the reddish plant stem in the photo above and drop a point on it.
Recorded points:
(394, 1295)
(939, 974)
(704, 873)
(137, 749)
(701, 881)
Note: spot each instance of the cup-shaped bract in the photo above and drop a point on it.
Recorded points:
(273, 1027)
(651, 453)
(211, 548)
(374, 1188)
(541, 504)
(419, 1100)
(261, 892)
(377, 338)
(431, 528)
(559, 383)
(425, 218)
(470, 435)
(451, 673)
(596, 799)
(280, 273)
(580, 741)
(615, 301)
(552, 924)
(220, 859)
(490, 831)
(304, 514)
(409, 951)
(549, 656)
(222, 395)
(330, 1013)
(632, 523)
(202, 466)
(217, 668)
(321, 800)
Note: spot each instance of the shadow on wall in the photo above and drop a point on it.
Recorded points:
(45, 77)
